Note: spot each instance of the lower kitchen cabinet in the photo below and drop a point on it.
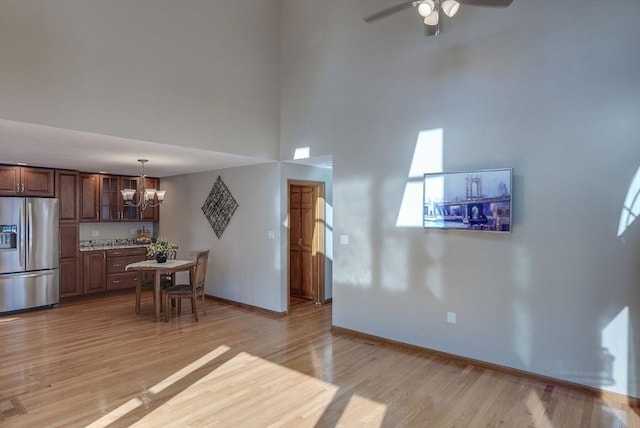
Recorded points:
(94, 271)
(70, 284)
(117, 261)
(104, 270)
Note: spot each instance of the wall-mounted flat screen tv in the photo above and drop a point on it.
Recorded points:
(469, 200)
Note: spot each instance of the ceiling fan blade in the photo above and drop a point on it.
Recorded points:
(489, 3)
(389, 11)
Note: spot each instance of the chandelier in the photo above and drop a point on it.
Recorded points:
(147, 196)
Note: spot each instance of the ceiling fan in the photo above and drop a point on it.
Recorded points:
(430, 10)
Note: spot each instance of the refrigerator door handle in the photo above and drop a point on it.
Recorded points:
(29, 231)
(22, 232)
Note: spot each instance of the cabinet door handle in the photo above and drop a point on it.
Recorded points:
(116, 282)
(116, 253)
(118, 265)
(17, 187)
(22, 187)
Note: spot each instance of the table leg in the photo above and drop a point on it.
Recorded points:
(158, 299)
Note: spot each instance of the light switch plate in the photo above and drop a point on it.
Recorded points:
(451, 317)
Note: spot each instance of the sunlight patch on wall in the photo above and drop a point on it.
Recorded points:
(434, 281)
(521, 305)
(615, 339)
(354, 265)
(411, 206)
(631, 208)
(394, 254)
(301, 153)
(427, 158)
(328, 233)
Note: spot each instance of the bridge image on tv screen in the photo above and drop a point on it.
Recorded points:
(472, 200)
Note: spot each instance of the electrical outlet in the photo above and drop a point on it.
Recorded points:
(133, 231)
(344, 239)
(271, 234)
(95, 233)
(451, 317)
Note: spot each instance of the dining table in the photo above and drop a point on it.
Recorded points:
(159, 269)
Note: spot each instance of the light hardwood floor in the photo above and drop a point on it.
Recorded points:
(93, 362)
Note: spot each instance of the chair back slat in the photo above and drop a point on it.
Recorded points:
(202, 260)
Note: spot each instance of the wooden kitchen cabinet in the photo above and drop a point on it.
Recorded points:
(104, 270)
(68, 194)
(94, 271)
(101, 200)
(26, 181)
(152, 213)
(89, 197)
(67, 190)
(112, 207)
(70, 284)
(117, 261)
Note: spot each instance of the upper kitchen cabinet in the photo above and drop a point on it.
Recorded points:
(102, 201)
(152, 213)
(89, 197)
(112, 207)
(68, 194)
(26, 181)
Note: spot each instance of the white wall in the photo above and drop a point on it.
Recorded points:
(553, 93)
(244, 264)
(192, 73)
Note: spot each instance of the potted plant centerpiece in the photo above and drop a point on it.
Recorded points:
(160, 248)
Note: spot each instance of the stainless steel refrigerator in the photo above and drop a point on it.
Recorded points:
(28, 253)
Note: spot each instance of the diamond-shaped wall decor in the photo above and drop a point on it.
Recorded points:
(219, 207)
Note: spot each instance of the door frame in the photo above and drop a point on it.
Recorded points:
(318, 247)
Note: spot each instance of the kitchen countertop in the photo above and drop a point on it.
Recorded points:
(109, 244)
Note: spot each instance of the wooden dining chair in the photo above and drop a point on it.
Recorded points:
(192, 291)
(147, 282)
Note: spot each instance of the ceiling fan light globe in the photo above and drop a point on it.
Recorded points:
(432, 19)
(426, 7)
(450, 7)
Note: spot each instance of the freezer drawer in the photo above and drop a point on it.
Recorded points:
(28, 290)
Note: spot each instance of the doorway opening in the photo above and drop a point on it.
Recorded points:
(306, 242)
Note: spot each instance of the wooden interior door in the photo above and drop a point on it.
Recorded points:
(306, 240)
(301, 221)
